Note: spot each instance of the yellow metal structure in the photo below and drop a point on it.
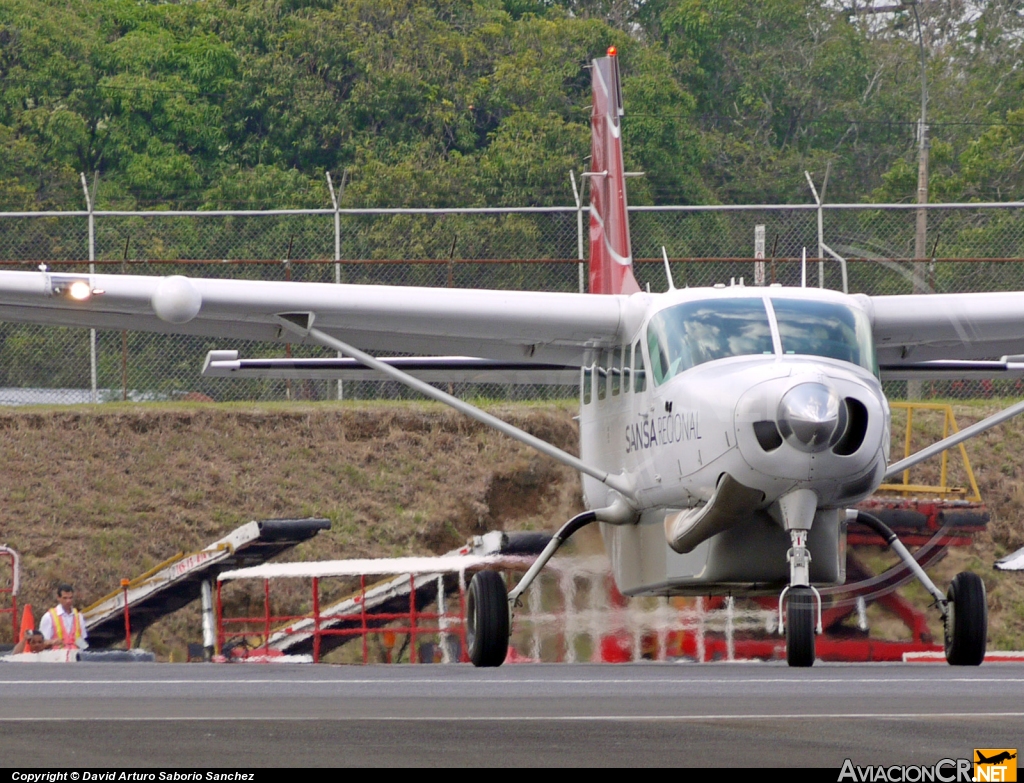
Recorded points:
(942, 489)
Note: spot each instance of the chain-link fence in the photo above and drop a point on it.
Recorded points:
(971, 247)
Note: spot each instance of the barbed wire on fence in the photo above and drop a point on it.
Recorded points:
(973, 247)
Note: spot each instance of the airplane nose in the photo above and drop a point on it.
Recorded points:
(811, 417)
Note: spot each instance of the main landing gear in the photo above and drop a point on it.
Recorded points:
(966, 620)
(963, 607)
(489, 607)
(487, 619)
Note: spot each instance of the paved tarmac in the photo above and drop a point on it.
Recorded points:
(711, 715)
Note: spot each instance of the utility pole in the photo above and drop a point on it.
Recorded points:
(921, 234)
(920, 266)
(923, 146)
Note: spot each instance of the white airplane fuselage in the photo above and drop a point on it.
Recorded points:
(772, 388)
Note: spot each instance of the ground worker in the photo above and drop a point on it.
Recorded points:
(32, 642)
(63, 626)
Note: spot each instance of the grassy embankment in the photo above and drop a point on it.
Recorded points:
(94, 494)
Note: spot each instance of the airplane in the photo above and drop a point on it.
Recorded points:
(996, 759)
(726, 432)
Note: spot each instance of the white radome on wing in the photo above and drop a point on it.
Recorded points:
(176, 300)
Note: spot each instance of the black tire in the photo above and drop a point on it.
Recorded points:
(966, 620)
(487, 619)
(801, 620)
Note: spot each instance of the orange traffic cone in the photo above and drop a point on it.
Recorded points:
(28, 621)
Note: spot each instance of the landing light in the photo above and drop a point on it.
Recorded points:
(77, 289)
(80, 290)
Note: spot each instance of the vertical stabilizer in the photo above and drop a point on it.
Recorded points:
(611, 258)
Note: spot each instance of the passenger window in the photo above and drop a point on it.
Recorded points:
(639, 376)
(616, 371)
(588, 379)
(627, 363)
(602, 374)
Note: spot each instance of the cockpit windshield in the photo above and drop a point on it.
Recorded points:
(817, 328)
(692, 333)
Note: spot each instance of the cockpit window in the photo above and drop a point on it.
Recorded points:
(692, 333)
(816, 328)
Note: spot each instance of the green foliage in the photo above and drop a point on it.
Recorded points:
(243, 103)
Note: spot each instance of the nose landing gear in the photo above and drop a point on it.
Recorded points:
(801, 619)
(802, 605)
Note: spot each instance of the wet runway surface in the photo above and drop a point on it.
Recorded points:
(579, 715)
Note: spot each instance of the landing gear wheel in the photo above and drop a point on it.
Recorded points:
(966, 620)
(487, 619)
(801, 620)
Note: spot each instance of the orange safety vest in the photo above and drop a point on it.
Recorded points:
(59, 632)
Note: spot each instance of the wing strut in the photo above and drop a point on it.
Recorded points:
(302, 324)
(947, 443)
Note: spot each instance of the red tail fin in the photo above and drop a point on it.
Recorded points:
(611, 258)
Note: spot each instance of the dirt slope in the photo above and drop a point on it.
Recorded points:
(92, 495)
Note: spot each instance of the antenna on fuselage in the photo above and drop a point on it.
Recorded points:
(803, 269)
(668, 270)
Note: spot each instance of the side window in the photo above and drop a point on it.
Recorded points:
(659, 361)
(587, 384)
(602, 374)
(616, 371)
(627, 363)
(639, 375)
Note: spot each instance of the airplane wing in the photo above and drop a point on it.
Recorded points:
(555, 328)
(946, 335)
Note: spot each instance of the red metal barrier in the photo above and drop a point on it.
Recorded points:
(411, 623)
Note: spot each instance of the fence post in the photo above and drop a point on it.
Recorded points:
(127, 620)
(442, 622)
(413, 657)
(364, 630)
(821, 239)
(209, 623)
(221, 636)
(464, 654)
(316, 620)
(759, 276)
(579, 230)
(92, 271)
(266, 616)
(335, 198)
